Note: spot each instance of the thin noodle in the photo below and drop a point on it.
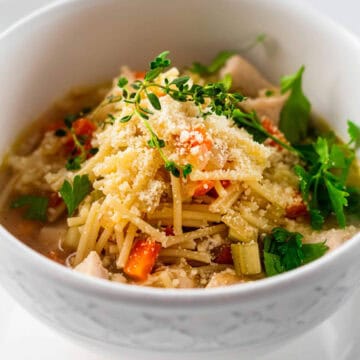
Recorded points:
(86, 235)
(104, 237)
(126, 248)
(177, 204)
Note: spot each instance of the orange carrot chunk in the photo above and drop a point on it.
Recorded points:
(203, 187)
(273, 130)
(139, 75)
(83, 127)
(142, 259)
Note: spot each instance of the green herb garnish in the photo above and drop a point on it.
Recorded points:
(74, 194)
(284, 251)
(353, 208)
(323, 180)
(354, 133)
(215, 65)
(35, 206)
(295, 115)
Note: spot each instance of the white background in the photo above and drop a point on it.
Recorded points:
(23, 337)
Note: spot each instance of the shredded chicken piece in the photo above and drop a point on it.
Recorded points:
(268, 106)
(93, 266)
(224, 278)
(245, 77)
(333, 238)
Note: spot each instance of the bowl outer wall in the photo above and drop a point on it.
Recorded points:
(42, 57)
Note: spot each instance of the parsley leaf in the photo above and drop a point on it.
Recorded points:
(36, 206)
(75, 194)
(312, 252)
(322, 185)
(284, 251)
(353, 201)
(317, 219)
(217, 63)
(338, 200)
(273, 265)
(294, 117)
(354, 133)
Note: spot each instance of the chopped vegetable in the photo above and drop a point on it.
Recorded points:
(273, 130)
(140, 74)
(84, 127)
(142, 259)
(295, 115)
(222, 254)
(246, 258)
(71, 239)
(284, 251)
(36, 206)
(296, 210)
(235, 235)
(203, 187)
(75, 194)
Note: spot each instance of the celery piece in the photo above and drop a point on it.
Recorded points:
(71, 239)
(246, 258)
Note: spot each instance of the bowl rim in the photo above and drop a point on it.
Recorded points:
(189, 298)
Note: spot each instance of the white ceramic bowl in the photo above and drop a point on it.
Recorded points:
(84, 42)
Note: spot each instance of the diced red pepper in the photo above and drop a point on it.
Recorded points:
(222, 254)
(69, 146)
(169, 231)
(296, 210)
(54, 200)
(225, 183)
(142, 259)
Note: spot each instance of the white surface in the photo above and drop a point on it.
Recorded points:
(23, 337)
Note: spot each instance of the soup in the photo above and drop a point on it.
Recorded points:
(201, 178)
